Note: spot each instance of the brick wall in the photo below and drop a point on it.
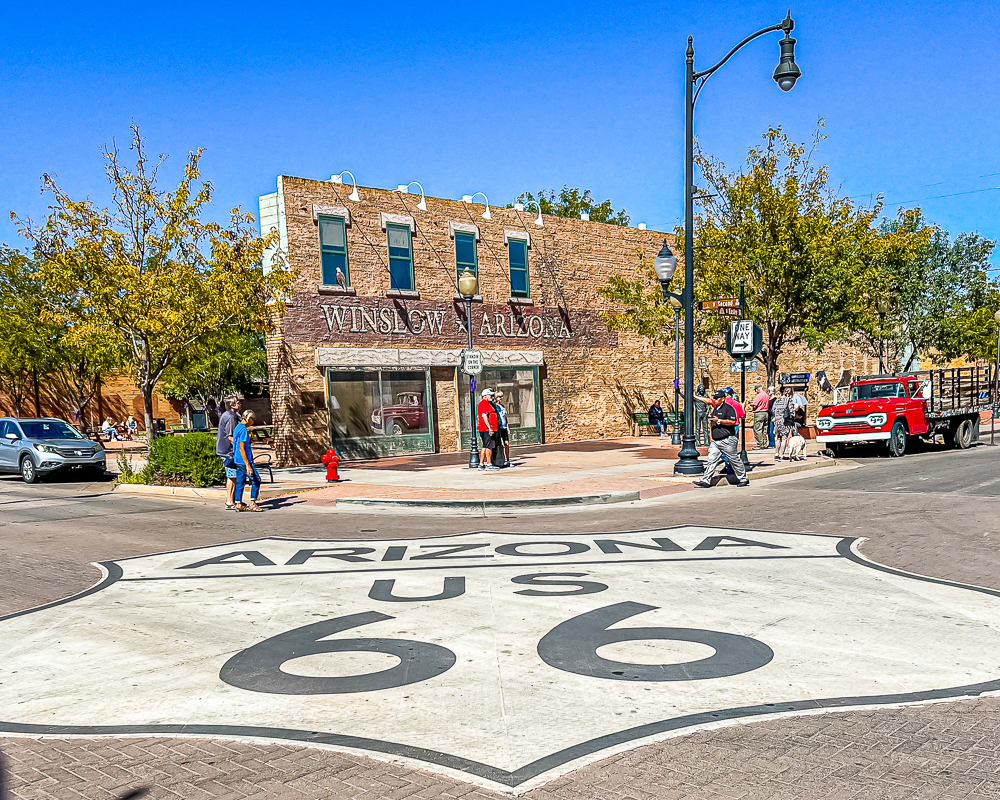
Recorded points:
(591, 381)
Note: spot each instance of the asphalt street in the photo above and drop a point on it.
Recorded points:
(933, 513)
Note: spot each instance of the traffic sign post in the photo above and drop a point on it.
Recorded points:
(744, 341)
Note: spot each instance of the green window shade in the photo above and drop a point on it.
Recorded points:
(465, 252)
(517, 254)
(400, 257)
(333, 250)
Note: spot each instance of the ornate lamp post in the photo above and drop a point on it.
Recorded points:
(677, 303)
(665, 265)
(785, 75)
(996, 375)
(468, 285)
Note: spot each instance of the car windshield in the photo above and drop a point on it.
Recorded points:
(871, 391)
(50, 429)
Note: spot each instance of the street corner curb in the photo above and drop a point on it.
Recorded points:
(208, 493)
(791, 469)
(488, 505)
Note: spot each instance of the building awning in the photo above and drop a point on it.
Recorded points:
(419, 357)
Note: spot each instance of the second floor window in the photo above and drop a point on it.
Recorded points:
(465, 252)
(400, 257)
(333, 251)
(517, 254)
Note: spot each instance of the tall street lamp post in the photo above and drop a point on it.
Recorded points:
(785, 74)
(468, 285)
(996, 375)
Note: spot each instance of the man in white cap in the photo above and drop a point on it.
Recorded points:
(486, 415)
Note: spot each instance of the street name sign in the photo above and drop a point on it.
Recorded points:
(505, 659)
(716, 305)
(472, 362)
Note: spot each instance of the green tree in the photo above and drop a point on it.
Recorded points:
(29, 333)
(222, 366)
(151, 271)
(807, 255)
(571, 202)
(641, 297)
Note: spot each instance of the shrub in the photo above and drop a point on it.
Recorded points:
(190, 457)
(129, 475)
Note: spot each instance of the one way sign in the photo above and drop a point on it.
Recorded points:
(745, 339)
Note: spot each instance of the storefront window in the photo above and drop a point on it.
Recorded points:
(377, 412)
(520, 397)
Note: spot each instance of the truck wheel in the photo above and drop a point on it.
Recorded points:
(28, 472)
(398, 428)
(963, 435)
(836, 449)
(897, 439)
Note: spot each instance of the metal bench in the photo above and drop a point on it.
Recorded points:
(641, 420)
(263, 461)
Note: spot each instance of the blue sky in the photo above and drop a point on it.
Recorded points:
(500, 97)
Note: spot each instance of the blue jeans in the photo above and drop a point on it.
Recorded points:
(770, 433)
(241, 480)
(659, 425)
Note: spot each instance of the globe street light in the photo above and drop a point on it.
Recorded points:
(665, 265)
(468, 285)
(785, 75)
(677, 303)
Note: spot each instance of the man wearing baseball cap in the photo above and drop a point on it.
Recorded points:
(486, 414)
(723, 421)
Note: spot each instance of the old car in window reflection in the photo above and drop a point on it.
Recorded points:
(407, 415)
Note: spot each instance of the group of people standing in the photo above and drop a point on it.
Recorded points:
(232, 445)
(491, 415)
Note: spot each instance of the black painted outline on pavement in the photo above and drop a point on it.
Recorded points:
(514, 778)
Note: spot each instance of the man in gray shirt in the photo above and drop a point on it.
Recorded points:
(224, 447)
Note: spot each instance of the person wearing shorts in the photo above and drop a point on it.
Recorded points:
(503, 437)
(486, 415)
(224, 448)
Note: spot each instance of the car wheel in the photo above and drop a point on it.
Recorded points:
(897, 440)
(29, 474)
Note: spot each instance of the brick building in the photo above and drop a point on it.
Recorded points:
(371, 361)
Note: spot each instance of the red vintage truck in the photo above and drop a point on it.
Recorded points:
(408, 415)
(899, 409)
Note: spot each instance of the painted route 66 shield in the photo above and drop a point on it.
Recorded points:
(500, 658)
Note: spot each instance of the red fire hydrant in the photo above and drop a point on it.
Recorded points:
(332, 461)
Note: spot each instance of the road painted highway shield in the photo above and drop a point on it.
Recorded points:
(505, 659)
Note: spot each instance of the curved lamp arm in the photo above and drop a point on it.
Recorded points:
(787, 25)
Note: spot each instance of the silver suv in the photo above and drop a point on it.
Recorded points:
(36, 447)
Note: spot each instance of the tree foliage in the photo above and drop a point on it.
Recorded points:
(571, 202)
(226, 364)
(150, 271)
(640, 299)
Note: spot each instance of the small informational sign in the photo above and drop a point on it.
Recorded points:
(748, 366)
(730, 312)
(794, 378)
(472, 362)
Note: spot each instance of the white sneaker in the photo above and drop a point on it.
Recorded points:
(491, 468)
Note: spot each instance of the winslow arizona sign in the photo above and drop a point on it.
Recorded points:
(499, 658)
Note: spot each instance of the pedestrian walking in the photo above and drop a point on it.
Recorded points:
(656, 418)
(245, 469)
(772, 399)
(724, 442)
(784, 423)
(701, 415)
(224, 447)
(503, 433)
(486, 415)
(760, 418)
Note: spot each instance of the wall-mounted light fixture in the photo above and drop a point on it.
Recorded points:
(468, 198)
(422, 205)
(538, 221)
(642, 226)
(585, 216)
(340, 179)
(518, 206)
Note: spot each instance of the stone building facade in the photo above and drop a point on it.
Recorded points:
(371, 361)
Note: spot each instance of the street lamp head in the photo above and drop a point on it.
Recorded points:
(468, 284)
(787, 71)
(882, 306)
(675, 302)
(665, 264)
(997, 317)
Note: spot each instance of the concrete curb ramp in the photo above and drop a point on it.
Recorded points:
(213, 493)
